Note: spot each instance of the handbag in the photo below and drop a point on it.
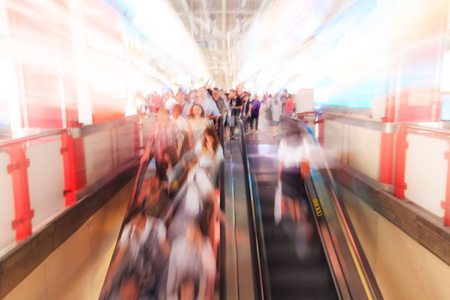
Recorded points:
(277, 214)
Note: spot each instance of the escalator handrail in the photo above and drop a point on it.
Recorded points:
(260, 259)
(360, 259)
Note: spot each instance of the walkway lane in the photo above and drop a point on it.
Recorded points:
(296, 261)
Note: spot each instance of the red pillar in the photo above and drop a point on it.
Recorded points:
(70, 181)
(400, 163)
(18, 170)
(386, 157)
(387, 142)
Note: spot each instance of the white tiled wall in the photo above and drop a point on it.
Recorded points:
(77, 269)
(46, 180)
(402, 267)
(426, 172)
(7, 236)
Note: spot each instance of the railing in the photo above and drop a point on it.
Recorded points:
(407, 160)
(315, 122)
(42, 174)
(424, 143)
(258, 249)
(351, 272)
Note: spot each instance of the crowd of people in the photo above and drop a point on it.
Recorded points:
(167, 247)
(218, 107)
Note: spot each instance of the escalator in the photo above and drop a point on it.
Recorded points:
(318, 257)
(297, 265)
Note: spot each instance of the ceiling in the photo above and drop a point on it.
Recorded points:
(226, 43)
(218, 27)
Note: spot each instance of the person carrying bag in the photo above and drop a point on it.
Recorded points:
(292, 168)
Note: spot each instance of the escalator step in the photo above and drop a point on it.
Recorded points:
(304, 295)
(300, 280)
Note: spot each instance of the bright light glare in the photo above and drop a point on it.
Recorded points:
(445, 82)
(9, 101)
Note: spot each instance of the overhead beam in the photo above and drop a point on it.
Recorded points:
(189, 13)
(245, 12)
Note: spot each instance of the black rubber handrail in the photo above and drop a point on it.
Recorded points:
(262, 286)
(222, 246)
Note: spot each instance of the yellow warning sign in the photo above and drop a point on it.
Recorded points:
(317, 207)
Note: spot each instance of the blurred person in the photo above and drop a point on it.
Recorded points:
(163, 133)
(268, 110)
(290, 156)
(176, 117)
(210, 153)
(127, 287)
(265, 97)
(294, 106)
(246, 112)
(235, 106)
(225, 114)
(182, 124)
(283, 97)
(155, 102)
(289, 106)
(212, 113)
(197, 125)
(185, 105)
(188, 290)
(220, 103)
(158, 202)
(255, 105)
(148, 103)
(193, 97)
(198, 194)
(276, 109)
(169, 159)
(170, 100)
(136, 105)
(191, 263)
(143, 246)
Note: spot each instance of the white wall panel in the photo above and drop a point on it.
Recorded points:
(426, 172)
(98, 156)
(46, 180)
(77, 269)
(364, 151)
(333, 139)
(7, 234)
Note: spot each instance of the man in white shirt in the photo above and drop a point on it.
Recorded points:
(181, 122)
(209, 105)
